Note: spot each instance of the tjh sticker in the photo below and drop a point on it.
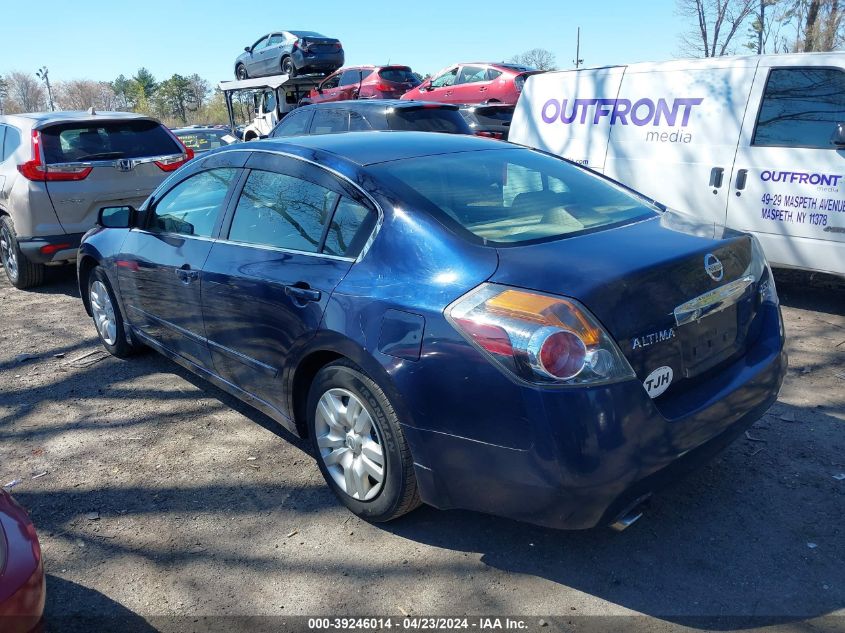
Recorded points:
(658, 381)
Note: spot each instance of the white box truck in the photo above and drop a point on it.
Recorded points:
(752, 143)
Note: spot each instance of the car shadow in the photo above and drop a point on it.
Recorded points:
(726, 548)
(811, 291)
(72, 608)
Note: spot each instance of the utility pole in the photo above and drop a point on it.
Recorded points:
(762, 26)
(578, 61)
(43, 76)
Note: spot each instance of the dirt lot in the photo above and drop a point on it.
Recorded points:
(166, 501)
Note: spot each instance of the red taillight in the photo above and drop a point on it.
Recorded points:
(338, 45)
(486, 134)
(35, 169)
(51, 249)
(491, 337)
(562, 354)
(384, 87)
(172, 163)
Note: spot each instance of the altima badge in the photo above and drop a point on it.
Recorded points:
(650, 339)
(658, 381)
(713, 267)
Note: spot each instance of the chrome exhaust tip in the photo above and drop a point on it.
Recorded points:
(625, 521)
(630, 515)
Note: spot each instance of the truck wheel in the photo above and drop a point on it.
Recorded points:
(21, 272)
(240, 72)
(287, 66)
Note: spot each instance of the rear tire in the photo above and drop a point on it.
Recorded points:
(108, 319)
(21, 272)
(240, 72)
(287, 66)
(353, 426)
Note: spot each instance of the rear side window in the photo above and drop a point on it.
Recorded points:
(3, 154)
(358, 123)
(801, 107)
(472, 74)
(492, 74)
(282, 211)
(294, 124)
(192, 206)
(12, 142)
(70, 142)
(351, 226)
(327, 121)
(516, 195)
(428, 120)
(398, 75)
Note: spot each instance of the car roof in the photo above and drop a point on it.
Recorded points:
(369, 148)
(40, 119)
(371, 104)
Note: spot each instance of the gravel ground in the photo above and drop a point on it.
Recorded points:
(167, 504)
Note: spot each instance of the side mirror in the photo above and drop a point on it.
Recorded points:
(838, 137)
(116, 217)
(247, 49)
(426, 85)
(319, 90)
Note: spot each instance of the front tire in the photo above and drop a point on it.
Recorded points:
(108, 319)
(21, 272)
(241, 73)
(360, 448)
(287, 66)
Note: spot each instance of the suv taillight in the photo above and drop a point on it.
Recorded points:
(338, 45)
(172, 163)
(35, 169)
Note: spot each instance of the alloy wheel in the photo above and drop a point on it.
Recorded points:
(350, 444)
(8, 254)
(103, 312)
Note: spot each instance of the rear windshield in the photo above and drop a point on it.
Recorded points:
(516, 196)
(70, 142)
(307, 34)
(428, 120)
(399, 75)
(206, 139)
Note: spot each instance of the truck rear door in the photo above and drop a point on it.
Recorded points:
(568, 113)
(675, 129)
(788, 185)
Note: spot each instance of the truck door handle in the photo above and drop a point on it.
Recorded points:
(716, 176)
(741, 177)
(302, 292)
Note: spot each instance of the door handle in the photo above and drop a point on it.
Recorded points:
(302, 293)
(741, 178)
(186, 275)
(483, 89)
(716, 176)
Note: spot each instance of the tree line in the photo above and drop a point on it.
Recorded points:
(729, 27)
(178, 100)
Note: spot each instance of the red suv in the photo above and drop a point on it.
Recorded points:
(364, 82)
(474, 83)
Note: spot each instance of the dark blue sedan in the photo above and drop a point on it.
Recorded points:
(451, 320)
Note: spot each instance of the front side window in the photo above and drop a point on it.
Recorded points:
(282, 211)
(352, 77)
(294, 124)
(472, 74)
(330, 83)
(269, 101)
(515, 195)
(329, 121)
(801, 107)
(446, 79)
(192, 206)
(260, 43)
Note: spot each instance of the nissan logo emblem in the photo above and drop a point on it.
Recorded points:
(713, 267)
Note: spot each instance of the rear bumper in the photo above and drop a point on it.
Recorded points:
(318, 61)
(51, 248)
(596, 451)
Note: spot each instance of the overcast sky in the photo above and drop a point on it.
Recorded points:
(95, 39)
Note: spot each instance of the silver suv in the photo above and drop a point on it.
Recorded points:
(57, 169)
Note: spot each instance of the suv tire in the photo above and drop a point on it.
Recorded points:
(21, 272)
